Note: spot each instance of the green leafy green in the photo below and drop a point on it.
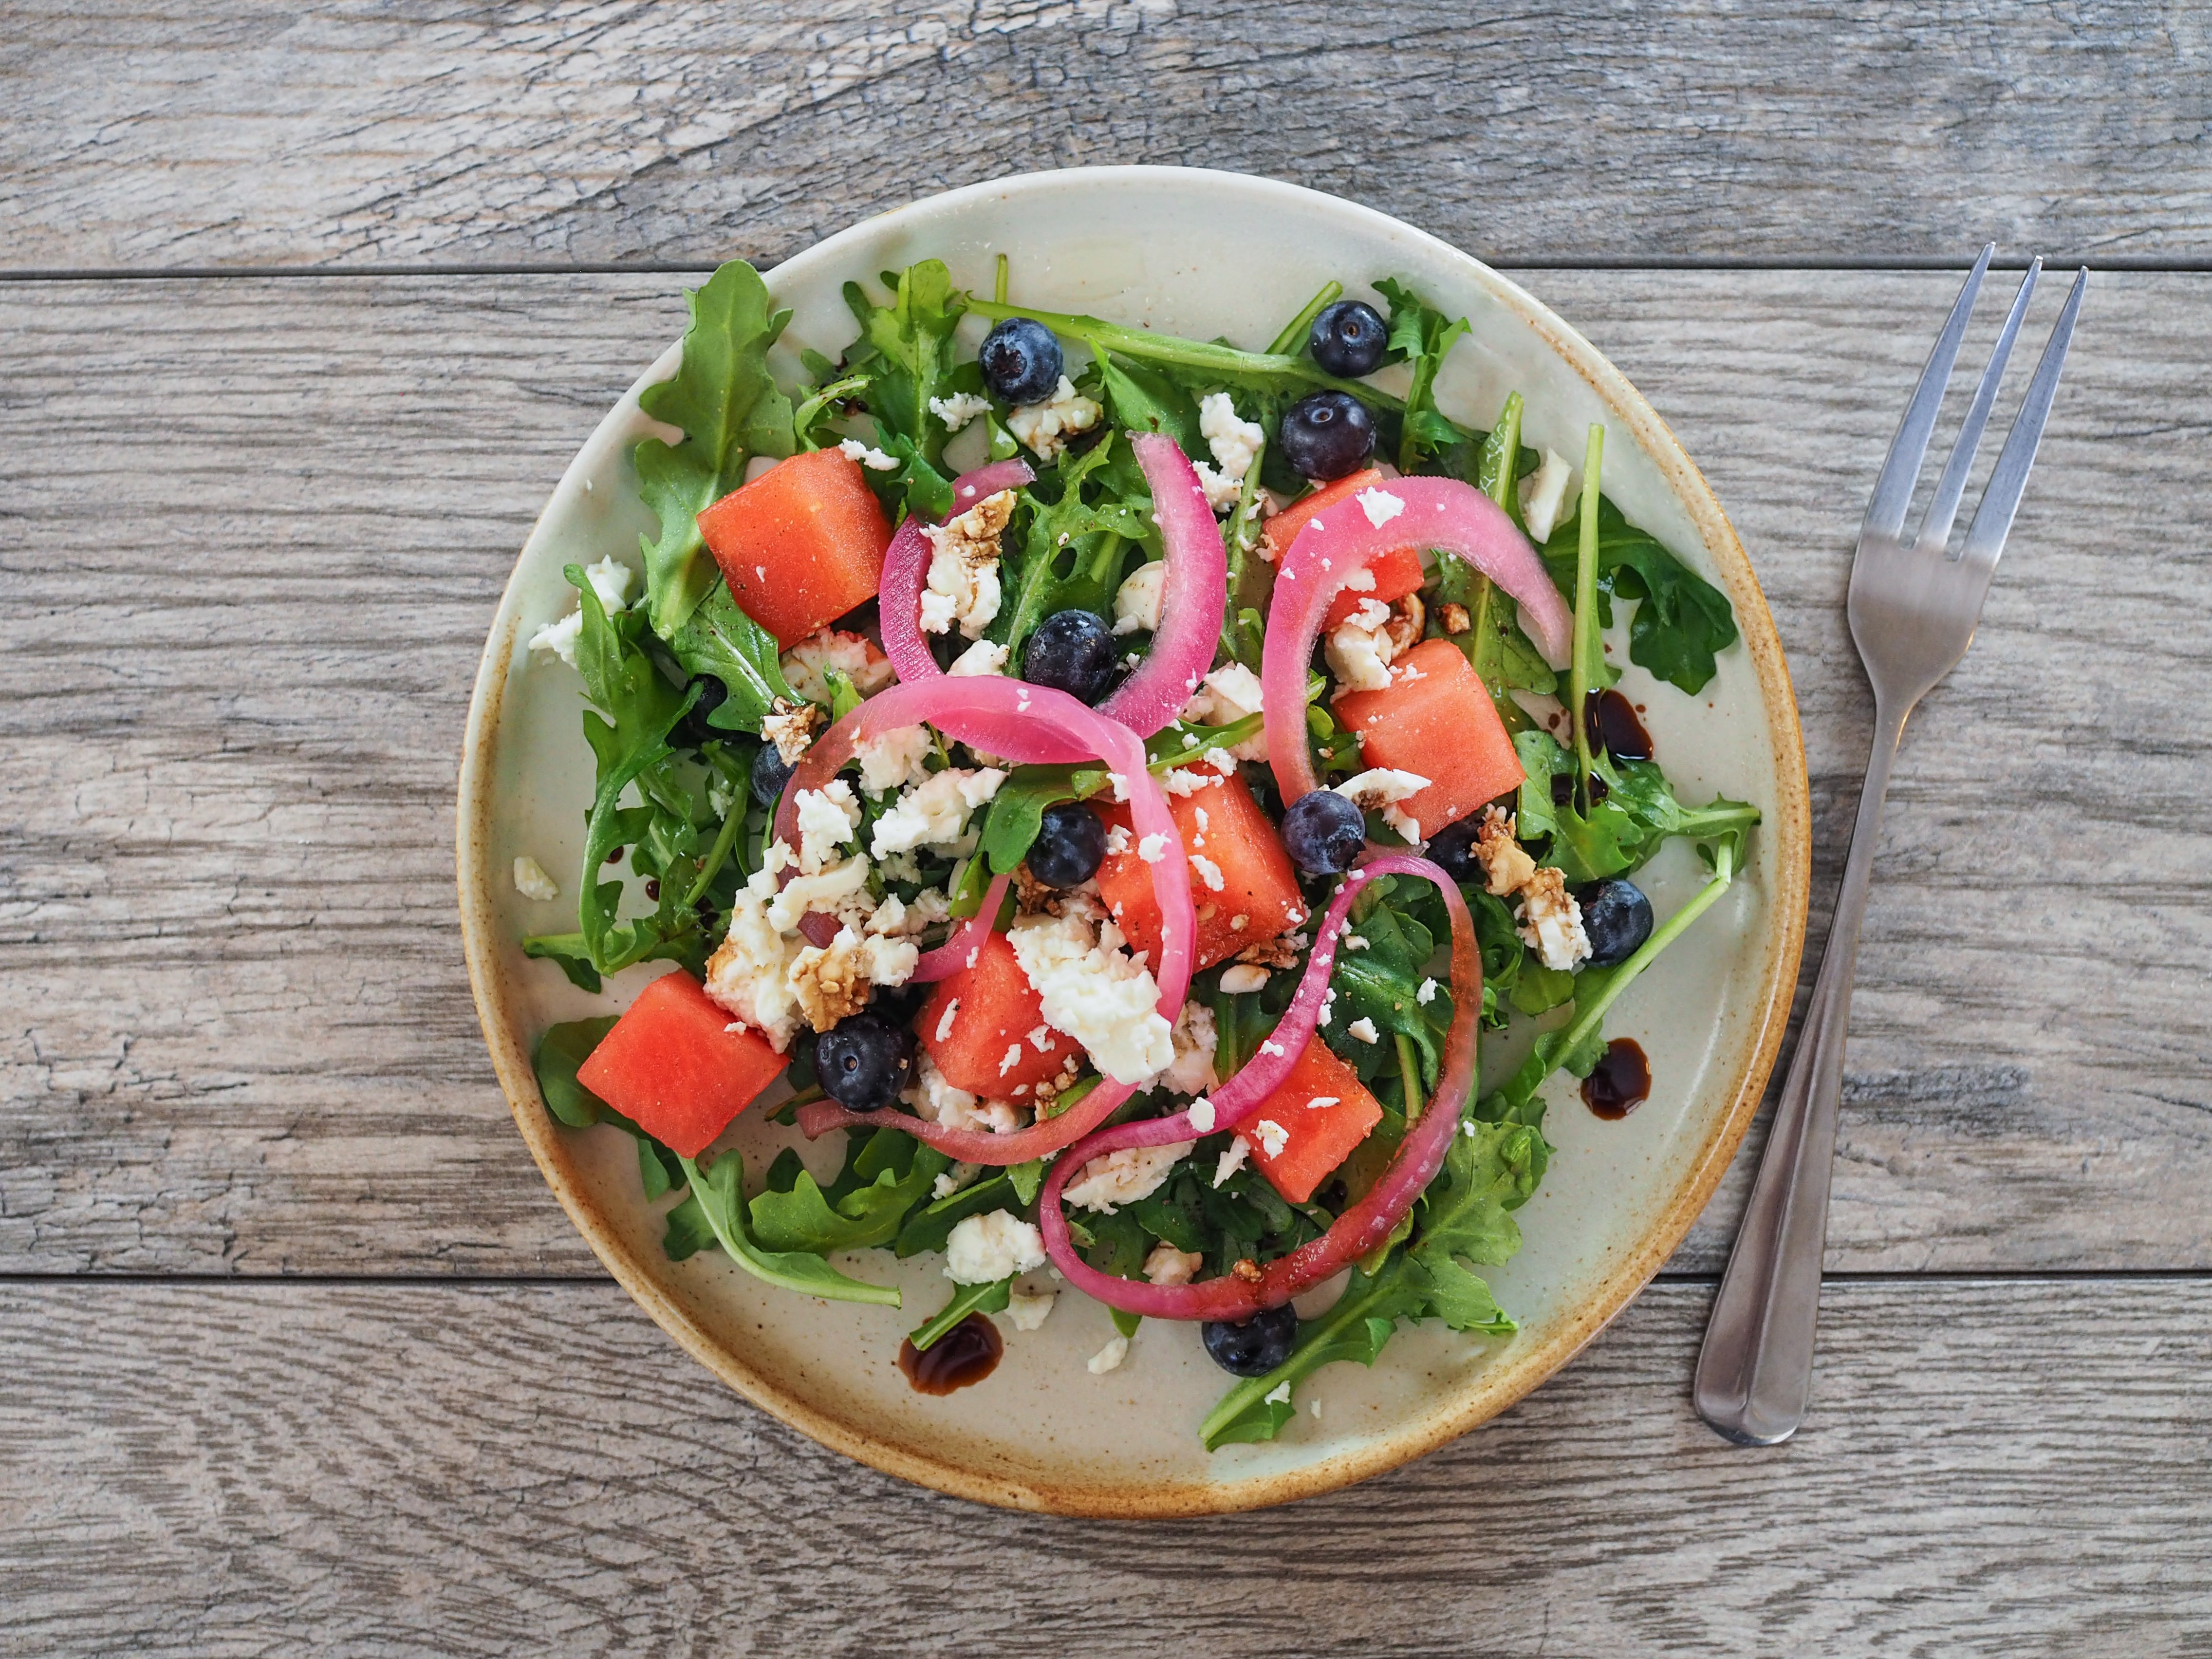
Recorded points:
(905, 350)
(885, 1175)
(718, 638)
(1681, 620)
(928, 1227)
(559, 1053)
(1424, 336)
(730, 410)
(721, 1195)
(1071, 555)
(568, 952)
(986, 1298)
(1634, 811)
(1381, 981)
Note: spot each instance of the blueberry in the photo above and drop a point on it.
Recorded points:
(1618, 919)
(1254, 1347)
(865, 1061)
(1022, 361)
(1327, 436)
(1349, 338)
(1324, 832)
(693, 728)
(1072, 651)
(1453, 846)
(1070, 844)
(769, 775)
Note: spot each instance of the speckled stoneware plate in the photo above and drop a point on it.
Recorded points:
(1200, 254)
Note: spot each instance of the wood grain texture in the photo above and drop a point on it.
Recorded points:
(1989, 1469)
(254, 531)
(152, 133)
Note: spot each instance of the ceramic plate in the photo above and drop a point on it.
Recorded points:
(1202, 254)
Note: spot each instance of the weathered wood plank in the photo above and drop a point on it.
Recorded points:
(254, 530)
(148, 133)
(1990, 1468)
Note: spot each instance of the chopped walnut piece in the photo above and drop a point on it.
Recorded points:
(1281, 951)
(1506, 864)
(1456, 619)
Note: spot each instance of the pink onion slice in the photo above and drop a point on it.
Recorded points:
(949, 958)
(1192, 601)
(1443, 513)
(1360, 1228)
(1020, 721)
(906, 570)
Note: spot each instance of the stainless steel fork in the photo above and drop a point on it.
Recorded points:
(1913, 606)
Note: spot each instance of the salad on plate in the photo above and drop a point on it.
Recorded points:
(1116, 783)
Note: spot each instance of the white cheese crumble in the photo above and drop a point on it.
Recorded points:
(959, 408)
(1364, 1029)
(1233, 441)
(532, 881)
(1028, 1311)
(934, 812)
(806, 666)
(1089, 986)
(1220, 489)
(1153, 849)
(1137, 600)
(984, 657)
(1196, 1039)
(936, 1099)
(1241, 978)
(1379, 789)
(610, 579)
(1229, 694)
(1359, 649)
(1125, 1176)
(1380, 506)
(1544, 496)
(963, 567)
(1273, 1136)
(958, 1178)
(827, 818)
(1166, 1265)
(895, 760)
(1044, 428)
(985, 1248)
(1552, 922)
(1110, 1356)
(874, 460)
(1208, 871)
(1279, 1395)
(1232, 1161)
(770, 978)
(1427, 994)
(1201, 1115)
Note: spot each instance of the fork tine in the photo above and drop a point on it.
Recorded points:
(1986, 537)
(1893, 490)
(1943, 508)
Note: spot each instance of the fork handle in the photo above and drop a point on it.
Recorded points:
(1756, 1368)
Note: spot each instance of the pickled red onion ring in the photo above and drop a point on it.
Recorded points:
(949, 958)
(1361, 1228)
(906, 570)
(1019, 719)
(1443, 513)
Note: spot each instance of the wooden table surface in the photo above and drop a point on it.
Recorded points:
(301, 312)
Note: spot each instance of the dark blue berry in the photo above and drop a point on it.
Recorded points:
(1022, 361)
(1324, 832)
(1327, 436)
(1071, 844)
(1254, 1347)
(1453, 846)
(693, 728)
(1072, 651)
(1349, 338)
(1617, 917)
(864, 1061)
(769, 775)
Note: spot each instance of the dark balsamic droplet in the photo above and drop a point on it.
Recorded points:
(964, 1356)
(1620, 1081)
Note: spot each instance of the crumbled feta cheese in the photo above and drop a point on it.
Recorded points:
(963, 567)
(1137, 601)
(1364, 1029)
(874, 460)
(1153, 849)
(1166, 1265)
(1355, 941)
(896, 759)
(985, 1248)
(1233, 441)
(1044, 428)
(1120, 787)
(610, 579)
(827, 818)
(1110, 1356)
(1229, 694)
(959, 408)
(1125, 1176)
(791, 729)
(1360, 652)
(1117, 838)
(1208, 871)
(1220, 489)
(1232, 1161)
(1279, 1395)
(840, 890)
(1427, 994)
(1380, 506)
(945, 1020)
(806, 666)
(934, 812)
(1319, 1102)
(1028, 1311)
(1010, 1059)
(1184, 781)
(1089, 986)
(748, 974)
(984, 657)
(1552, 922)
(1273, 1136)
(1201, 1115)
(938, 1101)
(1379, 789)
(958, 1178)
(1544, 496)
(1241, 978)
(532, 881)
(1196, 1039)
(1506, 866)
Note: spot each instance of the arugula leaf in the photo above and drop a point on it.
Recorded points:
(1072, 557)
(1017, 809)
(569, 953)
(986, 1298)
(859, 1214)
(1634, 812)
(929, 1227)
(730, 410)
(1420, 335)
(1383, 983)
(718, 638)
(1142, 398)
(685, 1232)
(559, 1053)
(721, 1195)
(905, 349)
(1681, 620)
